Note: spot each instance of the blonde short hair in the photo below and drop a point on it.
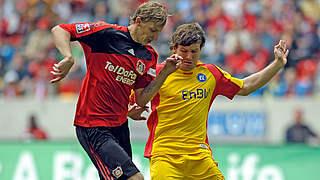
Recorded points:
(151, 12)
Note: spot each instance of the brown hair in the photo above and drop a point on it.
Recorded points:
(151, 12)
(187, 34)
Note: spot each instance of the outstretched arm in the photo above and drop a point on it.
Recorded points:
(144, 95)
(259, 79)
(61, 40)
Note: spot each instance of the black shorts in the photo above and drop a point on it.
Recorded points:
(109, 149)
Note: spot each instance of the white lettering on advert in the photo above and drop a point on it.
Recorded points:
(123, 75)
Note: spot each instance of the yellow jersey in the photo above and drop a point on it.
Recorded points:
(178, 121)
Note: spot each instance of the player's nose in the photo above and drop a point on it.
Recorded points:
(188, 55)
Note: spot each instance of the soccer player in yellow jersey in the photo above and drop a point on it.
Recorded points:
(178, 146)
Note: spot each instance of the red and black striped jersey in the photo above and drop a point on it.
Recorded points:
(115, 65)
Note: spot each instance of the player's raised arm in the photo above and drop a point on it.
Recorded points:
(259, 79)
(61, 40)
(144, 95)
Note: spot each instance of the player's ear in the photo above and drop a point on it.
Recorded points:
(138, 20)
(174, 50)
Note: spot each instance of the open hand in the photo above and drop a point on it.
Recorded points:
(61, 69)
(281, 52)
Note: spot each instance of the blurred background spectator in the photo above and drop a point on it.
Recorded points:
(299, 132)
(34, 131)
(240, 33)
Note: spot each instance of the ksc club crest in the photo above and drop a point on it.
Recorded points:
(201, 77)
(141, 67)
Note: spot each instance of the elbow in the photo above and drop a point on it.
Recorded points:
(244, 93)
(55, 29)
(248, 87)
(58, 31)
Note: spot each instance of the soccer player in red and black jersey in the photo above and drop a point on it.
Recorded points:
(118, 59)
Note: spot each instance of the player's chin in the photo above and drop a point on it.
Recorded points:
(187, 64)
(186, 68)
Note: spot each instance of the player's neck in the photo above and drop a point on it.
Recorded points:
(132, 32)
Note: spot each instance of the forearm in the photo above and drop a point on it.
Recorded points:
(143, 96)
(61, 40)
(259, 79)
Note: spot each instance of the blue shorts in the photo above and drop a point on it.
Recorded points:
(109, 149)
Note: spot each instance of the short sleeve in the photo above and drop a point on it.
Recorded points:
(226, 84)
(78, 30)
(144, 80)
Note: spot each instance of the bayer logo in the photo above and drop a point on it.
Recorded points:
(201, 77)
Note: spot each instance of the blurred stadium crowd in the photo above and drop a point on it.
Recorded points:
(240, 39)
